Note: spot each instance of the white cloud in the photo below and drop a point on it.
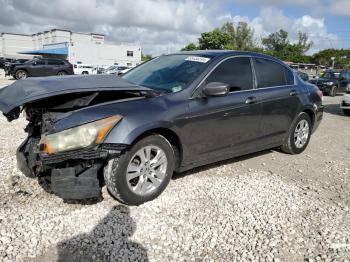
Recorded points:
(272, 19)
(159, 26)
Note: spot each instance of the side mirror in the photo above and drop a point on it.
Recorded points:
(216, 89)
(34, 63)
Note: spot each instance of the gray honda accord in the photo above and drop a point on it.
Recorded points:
(171, 114)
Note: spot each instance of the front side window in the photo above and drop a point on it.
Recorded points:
(130, 53)
(236, 72)
(170, 73)
(270, 73)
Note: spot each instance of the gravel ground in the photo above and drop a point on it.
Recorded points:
(267, 206)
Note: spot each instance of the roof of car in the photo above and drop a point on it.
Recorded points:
(221, 53)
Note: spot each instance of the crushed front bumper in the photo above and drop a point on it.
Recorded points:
(74, 174)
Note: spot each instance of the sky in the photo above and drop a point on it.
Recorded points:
(163, 26)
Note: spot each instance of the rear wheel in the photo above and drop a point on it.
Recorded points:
(346, 112)
(61, 73)
(333, 91)
(299, 135)
(21, 74)
(143, 172)
(85, 73)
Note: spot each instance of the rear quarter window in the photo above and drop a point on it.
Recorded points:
(270, 73)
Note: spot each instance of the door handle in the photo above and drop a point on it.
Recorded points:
(293, 93)
(251, 100)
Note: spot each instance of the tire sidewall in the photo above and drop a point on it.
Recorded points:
(116, 175)
(333, 91)
(301, 116)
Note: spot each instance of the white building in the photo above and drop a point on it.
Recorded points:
(77, 48)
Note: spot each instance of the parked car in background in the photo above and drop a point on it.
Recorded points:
(121, 72)
(328, 83)
(303, 75)
(345, 102)
(83, 69)
(172, 113)
(114, 70)
(40, 67)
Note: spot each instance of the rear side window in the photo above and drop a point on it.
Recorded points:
(236, 72)
(55, 62)
(270, 73)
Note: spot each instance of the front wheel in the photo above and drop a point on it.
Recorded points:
(142, 173)
(299, 135)
(333, 91)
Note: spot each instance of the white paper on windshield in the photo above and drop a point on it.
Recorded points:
(198, 59)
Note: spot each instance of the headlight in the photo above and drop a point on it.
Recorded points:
(78, 137)
(329, 83)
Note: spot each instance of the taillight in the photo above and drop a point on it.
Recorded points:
(320, 94)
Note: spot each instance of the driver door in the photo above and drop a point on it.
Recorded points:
(225, 126)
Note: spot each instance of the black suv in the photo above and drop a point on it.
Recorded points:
(331, 83)
(40, 67)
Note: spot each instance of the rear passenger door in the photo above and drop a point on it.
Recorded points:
(38, 68)
(278, 95)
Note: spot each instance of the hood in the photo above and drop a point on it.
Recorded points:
(30, 90)
(322, 79)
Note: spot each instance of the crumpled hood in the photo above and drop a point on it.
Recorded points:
(29, 90)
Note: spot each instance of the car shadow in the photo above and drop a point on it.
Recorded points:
(108, 241)
(333, 109)
(220, 163)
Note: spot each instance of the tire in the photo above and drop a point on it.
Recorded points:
(85, 73)
(333, 91)
(61, 73)
(21, 74)
(135, 188)
(346, 112)
(292, 145)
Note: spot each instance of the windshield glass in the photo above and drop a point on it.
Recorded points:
(328, 75)
(171, 73)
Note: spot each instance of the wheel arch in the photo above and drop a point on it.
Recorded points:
(169, 135)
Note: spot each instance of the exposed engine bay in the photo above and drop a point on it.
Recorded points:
(74, 174)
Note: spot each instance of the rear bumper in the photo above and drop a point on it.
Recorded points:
(74, 174)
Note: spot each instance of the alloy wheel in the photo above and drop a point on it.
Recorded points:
(301, 133)
(146, 170)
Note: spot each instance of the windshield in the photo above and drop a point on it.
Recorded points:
(171, 73)
(328, 75)
(111, 68)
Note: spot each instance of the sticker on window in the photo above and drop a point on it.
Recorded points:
(198, 59)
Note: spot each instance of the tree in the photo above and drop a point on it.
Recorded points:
(145, 58)
(341, 57)
(215, 39)
(190, 47)
(276, 42)
(242, 36)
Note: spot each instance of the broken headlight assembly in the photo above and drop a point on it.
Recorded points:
(78, 137)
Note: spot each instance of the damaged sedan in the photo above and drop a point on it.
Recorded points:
(170, 114)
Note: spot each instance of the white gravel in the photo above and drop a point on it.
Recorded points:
(264, 207)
